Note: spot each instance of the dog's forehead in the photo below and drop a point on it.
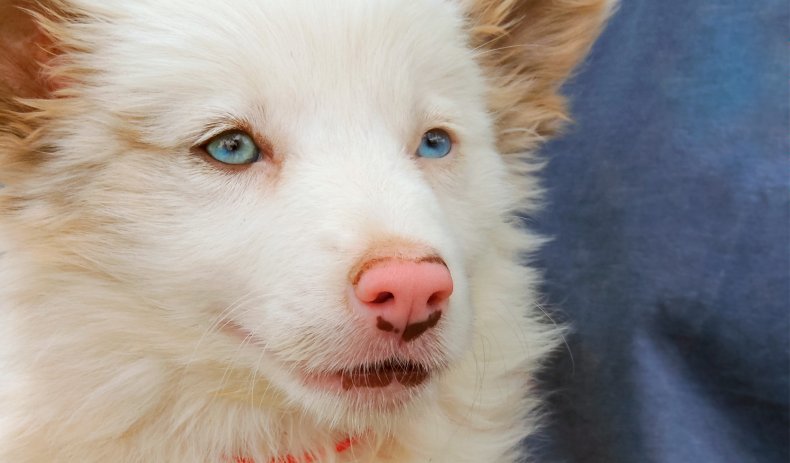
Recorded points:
(349, 48)
(300, 56)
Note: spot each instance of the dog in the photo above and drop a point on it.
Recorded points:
(275, 231)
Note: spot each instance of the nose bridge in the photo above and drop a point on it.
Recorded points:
(364, 180)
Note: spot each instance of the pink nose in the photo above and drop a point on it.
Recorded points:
(404, 297)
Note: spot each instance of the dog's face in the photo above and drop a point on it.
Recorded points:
(262, 256)
(262, 183)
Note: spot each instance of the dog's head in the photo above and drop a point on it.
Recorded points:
(299, 189)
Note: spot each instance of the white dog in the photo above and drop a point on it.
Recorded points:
(274, 230)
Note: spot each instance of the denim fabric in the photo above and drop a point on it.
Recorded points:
(669, 208)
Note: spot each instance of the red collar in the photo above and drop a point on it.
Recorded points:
(308, 457)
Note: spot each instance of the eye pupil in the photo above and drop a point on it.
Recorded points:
(231, 144)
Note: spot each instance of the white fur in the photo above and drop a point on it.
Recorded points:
(111, 344)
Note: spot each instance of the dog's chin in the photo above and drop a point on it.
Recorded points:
(374, 395)
(366, 397)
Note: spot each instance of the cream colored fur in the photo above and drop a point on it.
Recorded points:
(125, 251)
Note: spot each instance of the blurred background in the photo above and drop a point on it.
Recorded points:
(669, 208)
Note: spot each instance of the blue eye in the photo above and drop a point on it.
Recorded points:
(436, 143)
(234, 147)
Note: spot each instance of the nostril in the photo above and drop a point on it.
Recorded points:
(437, 298)
(383, 297)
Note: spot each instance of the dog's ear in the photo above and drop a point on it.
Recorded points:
(29, 51)
(528, 48)
(26, 50)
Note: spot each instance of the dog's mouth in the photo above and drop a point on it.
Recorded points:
(392, 380)
(381, 374)
(393, 373)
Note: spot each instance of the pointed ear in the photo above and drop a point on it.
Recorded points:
(25, 51)
(27, 55)
(528, 48)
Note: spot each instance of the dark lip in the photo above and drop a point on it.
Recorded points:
(381, 374)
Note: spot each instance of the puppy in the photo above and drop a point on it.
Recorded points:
(274, 231)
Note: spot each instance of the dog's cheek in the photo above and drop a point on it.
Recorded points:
(475, 196)
(213, 246)
(169, 230)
